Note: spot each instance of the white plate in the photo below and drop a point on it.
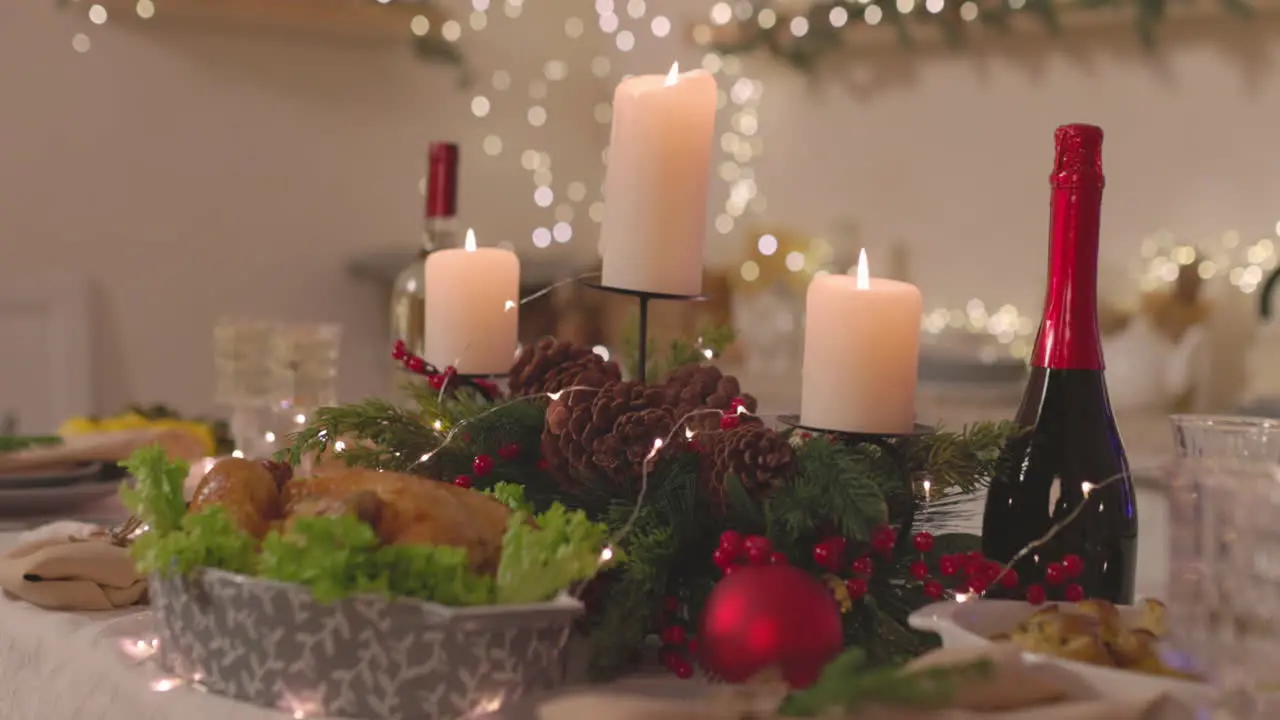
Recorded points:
(970, 624)
(25, 501)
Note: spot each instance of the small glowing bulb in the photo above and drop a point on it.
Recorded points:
(606, 555)
(962, 597)
(437, 426)
(1086, 487)
(864, 275)
(166, 684)
(555, 395)
(426, 456)
(674, 76)
(508, 306)
(339, 446)
(470, 243)
(689, 433)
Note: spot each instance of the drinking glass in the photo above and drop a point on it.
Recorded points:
(273, 376)
(1224, 584)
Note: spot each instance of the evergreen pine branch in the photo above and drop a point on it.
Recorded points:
(961, 461)
(849, 683)
(835, 487)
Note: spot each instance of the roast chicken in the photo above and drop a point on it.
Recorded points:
(402, 509)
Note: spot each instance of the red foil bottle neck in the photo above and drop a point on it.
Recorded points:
(442, 180)
(1069, 338)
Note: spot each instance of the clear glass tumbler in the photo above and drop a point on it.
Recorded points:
(1224, 528)
(304, 372)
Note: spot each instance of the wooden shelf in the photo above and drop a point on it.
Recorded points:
(352, 18)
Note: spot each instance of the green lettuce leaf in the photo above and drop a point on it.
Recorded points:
(156, 497)
(209, 538)
(562, 548)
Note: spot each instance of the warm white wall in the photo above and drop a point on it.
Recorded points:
(194, 174)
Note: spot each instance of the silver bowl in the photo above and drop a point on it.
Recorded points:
(274, 645)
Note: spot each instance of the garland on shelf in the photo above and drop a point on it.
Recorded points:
(803, 33)
(693, 485)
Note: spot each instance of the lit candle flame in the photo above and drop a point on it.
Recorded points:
(864, 275)
(470, 244)
(674, 76)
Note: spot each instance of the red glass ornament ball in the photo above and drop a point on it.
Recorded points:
(729, 422)
(510, 451)
(1074, 565)
(1055, 574)
(482, 465)
(933, 590)
(919, 570)
(1073, 593)
(462, 481)
(772, 616)
(829, 553)
(862, 566)
(923, 541)
(673, 635)
(1036, 595)
(857, 588)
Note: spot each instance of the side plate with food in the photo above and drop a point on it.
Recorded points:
(1118, 650)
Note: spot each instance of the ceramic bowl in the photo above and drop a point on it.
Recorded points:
(970, 624)
(274, 645)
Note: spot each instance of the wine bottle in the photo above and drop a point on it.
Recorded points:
(1065, 474)
(439, 230)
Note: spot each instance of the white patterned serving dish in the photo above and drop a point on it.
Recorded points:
(274, 645)
(972, 623)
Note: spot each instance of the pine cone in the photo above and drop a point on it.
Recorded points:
(761, 459)
(621, 453)
(577, 422)
(696, 387)
(551, 365)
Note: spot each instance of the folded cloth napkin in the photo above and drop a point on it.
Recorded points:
(72, 572)
(108, 447)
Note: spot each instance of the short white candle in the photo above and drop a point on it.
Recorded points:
(656, 185)
(861, 352)
(472, 308)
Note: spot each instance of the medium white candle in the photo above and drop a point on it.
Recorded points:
(861, 352)
(657, 182)
(472, 308)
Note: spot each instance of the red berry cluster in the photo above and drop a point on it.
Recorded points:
(678, 646)
(735, 550)
(1061, 574)
(831, 554)
(732, 417)
(436, 378)
(482, 465)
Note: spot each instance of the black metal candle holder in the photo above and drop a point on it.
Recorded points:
(644, 297)
(888, 443)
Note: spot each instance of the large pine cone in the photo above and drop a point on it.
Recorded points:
(551, 365)
(578, 422)
(622, 453)
(696, 387)
(761, 459)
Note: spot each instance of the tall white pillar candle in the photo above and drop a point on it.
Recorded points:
(472, 308)
(656, 185)
(861, 352)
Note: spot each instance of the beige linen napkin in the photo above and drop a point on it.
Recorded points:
(106, 447)
(71, 573)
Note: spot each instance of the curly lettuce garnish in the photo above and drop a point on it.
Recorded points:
(512, 495)
(156, 497)
(561, 548)
(341, 556)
